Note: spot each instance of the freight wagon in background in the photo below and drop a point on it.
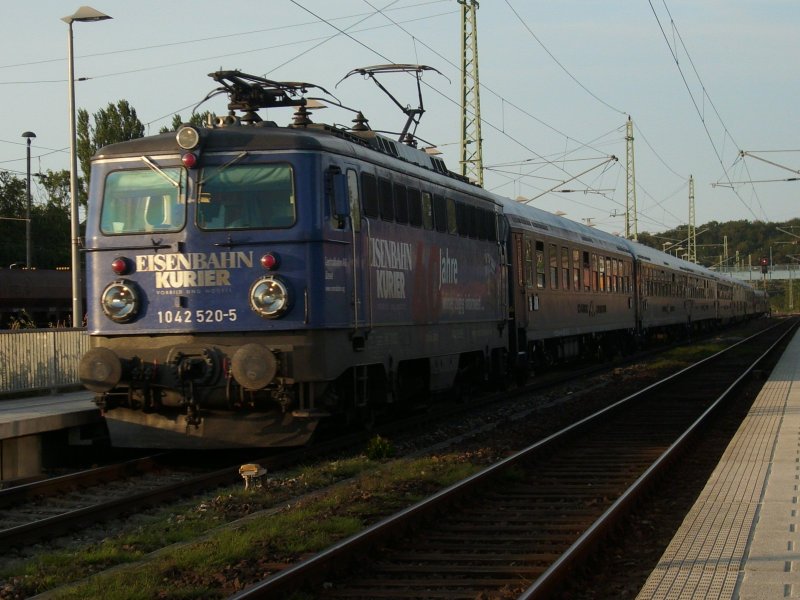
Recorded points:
(35, 297)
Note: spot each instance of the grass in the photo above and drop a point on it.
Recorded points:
(682, 356)
(195, 551)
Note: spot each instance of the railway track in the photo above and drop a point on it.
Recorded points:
(56, 506)
(518, 528)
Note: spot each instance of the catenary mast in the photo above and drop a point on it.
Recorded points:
(692, 228)
(471, 142)
(631, 225)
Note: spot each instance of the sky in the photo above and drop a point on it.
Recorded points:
(702, 81)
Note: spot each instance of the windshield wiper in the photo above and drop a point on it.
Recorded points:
(158, 170)
(235, 159)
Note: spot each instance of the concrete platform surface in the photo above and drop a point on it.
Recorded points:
(740, 540)
(30, 416)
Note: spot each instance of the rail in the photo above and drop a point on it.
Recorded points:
(40, 359)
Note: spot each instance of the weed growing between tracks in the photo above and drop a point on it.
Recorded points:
(215, 547)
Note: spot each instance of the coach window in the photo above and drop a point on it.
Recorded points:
(452, 223)
(439, 213)
(482, 217)
(369, 195)
(385, 199)
(414, 208)
(529, 262)
(427, 210)
(140, 201)
(576, 269)
(553, 251)
(601, 271)
(472, 219)
(565, 268)
(462, 222)
(616, 266)
(628, 269)
(540, 275)
(246, 197)
(609, 275)
(400, 204)
(595, 274)
(587, 278)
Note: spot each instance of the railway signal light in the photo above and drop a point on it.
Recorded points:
(764, 264)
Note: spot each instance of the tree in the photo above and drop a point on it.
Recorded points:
(115, 123)
(50, 222)
(50, 228)
(56, 185)
(197, 119)
(13, 200)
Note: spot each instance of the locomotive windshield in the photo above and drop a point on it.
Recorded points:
(142, 201)
(246, 197)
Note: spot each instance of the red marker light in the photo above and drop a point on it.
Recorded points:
(270, 261)
(189, 160)
(120, 266)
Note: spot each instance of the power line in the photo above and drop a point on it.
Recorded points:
(700, 114)
(210, 38)
(560, 65)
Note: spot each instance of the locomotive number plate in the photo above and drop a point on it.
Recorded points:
(197, 316)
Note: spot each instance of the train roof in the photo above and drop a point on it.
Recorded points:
(535, 219)
(267, 135)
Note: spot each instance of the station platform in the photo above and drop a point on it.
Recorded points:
(25, 424)
(741, 539)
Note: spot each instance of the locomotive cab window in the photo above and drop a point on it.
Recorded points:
(141, 201)
(246, 197)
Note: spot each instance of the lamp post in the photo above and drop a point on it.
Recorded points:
(28, 260)
(84, 14)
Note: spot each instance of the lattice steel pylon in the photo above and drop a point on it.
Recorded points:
(631, 222)
(692, 229)
(471, 141)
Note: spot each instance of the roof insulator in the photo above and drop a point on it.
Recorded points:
(360, 122)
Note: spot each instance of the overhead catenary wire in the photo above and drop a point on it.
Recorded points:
(705, 95)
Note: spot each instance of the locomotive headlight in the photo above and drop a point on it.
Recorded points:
(187, 137)
(270, 297)
(120, 301)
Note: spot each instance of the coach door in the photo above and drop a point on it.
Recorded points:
(520, 284)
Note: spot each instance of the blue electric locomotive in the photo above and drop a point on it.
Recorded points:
(246, 280)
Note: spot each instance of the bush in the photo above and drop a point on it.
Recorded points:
(379, 448)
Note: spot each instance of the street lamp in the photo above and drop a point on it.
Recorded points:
(84, 14)
(28, 261)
